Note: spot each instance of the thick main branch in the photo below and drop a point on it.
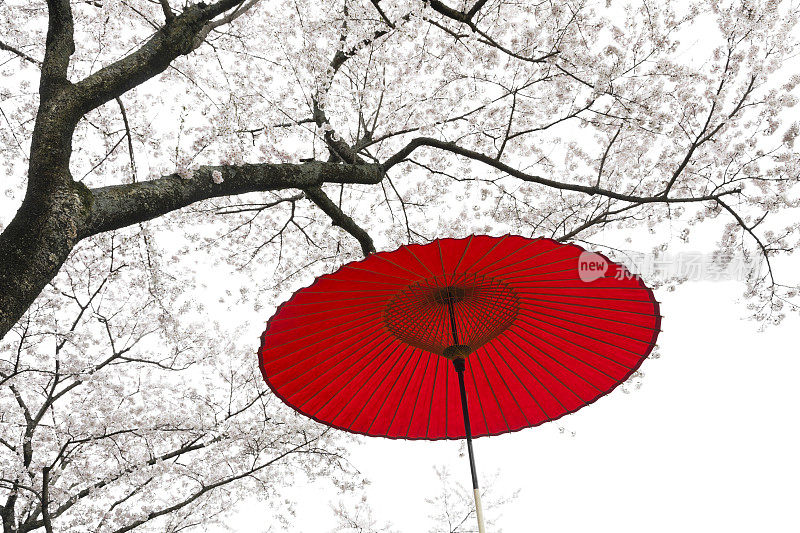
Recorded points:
(118, 206)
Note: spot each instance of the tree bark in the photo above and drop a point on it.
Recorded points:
(57, 213)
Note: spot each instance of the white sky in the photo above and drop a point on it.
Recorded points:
(709, 443)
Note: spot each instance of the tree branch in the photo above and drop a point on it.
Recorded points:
(19, 53)
(340, 219)
(177, 37)
(48, 525)
(165, 7)
(240, 10)
(207, 488)
(511, 171)
(475, 8)
(117, 206)
(60, 46)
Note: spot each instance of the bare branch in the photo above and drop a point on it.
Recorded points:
(340, 219)
(240, 10)
(165, 7)
(605, 156)
(20, 53)
(207, 488)
(128, 135)
(475, 8)
(511, 171)
(705, 135)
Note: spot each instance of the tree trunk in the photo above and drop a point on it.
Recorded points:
(36, 243)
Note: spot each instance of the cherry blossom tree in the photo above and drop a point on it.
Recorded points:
(147, 144)
(451, 508)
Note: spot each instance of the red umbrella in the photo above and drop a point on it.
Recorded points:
(459, 338)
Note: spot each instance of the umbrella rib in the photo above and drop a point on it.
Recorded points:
(405, 389)
(318, 302)
(433, 393)
(364, 383)
(329, 382)
(314, 353)
(442, 326)
(463, 254)
(334, 310)
(511, 370)
(356, 291)
(367, 281)
(365, 311)
(535, 315)
(638, 356)
(418, 260)
(338, 330)
(374, 327)
(382, 258)
(491, 389)
(490, 250)
(484, 324)
(529, 371)
(525, 297)
(497, 322)
(585, 287)
(389, 392)
(532, 290)
(419, 391)
(435, 336)
(359, 371)
(582, 297)
(405, 281)
(483, 316)
(503, 273)
(511, 394)
(399, 316)
(523, 273)
(575, 357)
(595, 317)
(578, 396)
(517, 264)
(562, 365)
(405, 321)
(473, 314)
(506, 256)
(409, 317)
(464, 334)
(441, 261)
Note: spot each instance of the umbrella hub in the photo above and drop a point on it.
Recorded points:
(451, 316)
(449, 294)
(456, 352)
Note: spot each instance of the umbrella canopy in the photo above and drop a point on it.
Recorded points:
(543, 329)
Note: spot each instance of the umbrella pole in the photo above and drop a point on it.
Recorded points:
(459, 364)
